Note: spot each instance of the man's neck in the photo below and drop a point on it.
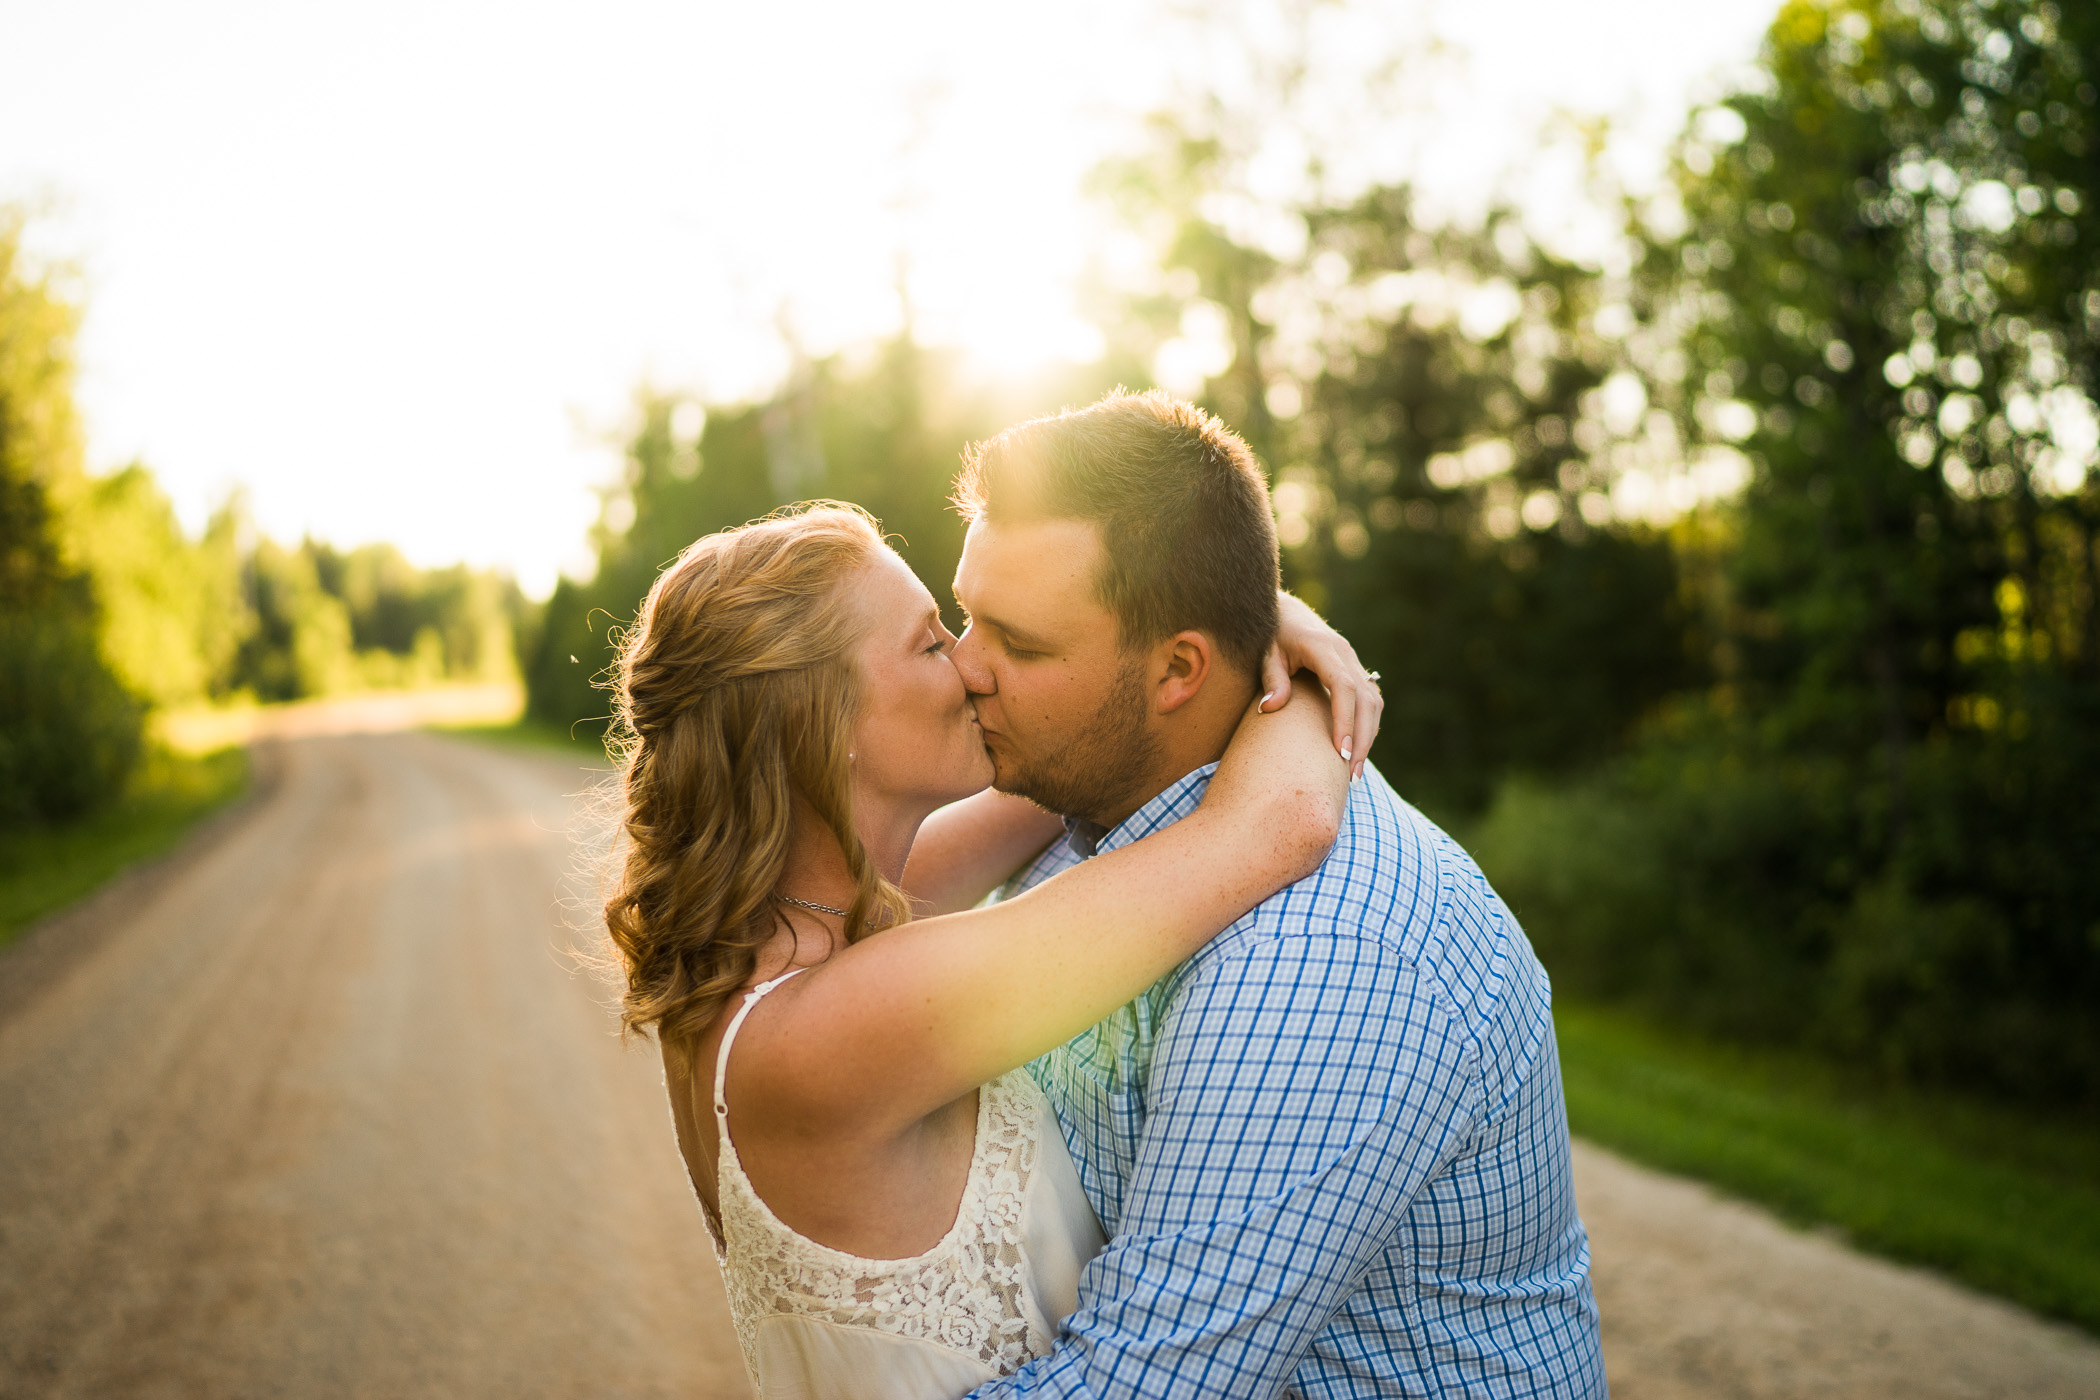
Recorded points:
(1196, 734)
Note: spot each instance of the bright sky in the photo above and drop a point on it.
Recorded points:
(397, 268)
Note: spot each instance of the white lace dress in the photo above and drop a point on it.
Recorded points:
(820, 1324)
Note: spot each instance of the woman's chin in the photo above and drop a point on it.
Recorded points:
(971, 786)
(967, 779)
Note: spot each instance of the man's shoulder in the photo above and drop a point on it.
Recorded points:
(1389, 872)
(1395, 888)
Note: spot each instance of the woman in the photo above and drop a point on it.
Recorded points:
(888, 1194)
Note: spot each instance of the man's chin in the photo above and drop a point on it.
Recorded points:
(1006, 779)
(1009, 778)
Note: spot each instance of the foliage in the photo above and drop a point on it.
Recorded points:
(1431, 400)
(1874, 832)
(322, 620)
(172, 610)
(69, 731)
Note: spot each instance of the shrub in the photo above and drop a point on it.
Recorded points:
(69, 731)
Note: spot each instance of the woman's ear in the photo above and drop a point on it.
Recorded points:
(1189, 658)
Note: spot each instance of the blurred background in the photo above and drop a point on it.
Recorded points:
(1688, 409)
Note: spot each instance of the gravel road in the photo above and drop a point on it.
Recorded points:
(318, 1108)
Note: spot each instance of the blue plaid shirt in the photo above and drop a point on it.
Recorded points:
(1330, 1148)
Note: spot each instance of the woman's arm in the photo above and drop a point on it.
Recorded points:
(967, 848)
(911, 1018)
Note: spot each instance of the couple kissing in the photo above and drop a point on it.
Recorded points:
(1068, 1008)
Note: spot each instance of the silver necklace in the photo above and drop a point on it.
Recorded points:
(810, 904)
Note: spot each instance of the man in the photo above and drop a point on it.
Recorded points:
(1331, 1148)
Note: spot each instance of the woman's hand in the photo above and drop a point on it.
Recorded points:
(1306, 643)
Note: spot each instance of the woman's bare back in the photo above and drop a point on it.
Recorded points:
(881, 1198)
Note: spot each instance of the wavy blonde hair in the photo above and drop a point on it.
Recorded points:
(735, 689)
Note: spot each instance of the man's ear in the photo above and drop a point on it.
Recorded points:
(1185, 661)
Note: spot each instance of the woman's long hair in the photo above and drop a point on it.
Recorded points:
(736, 688)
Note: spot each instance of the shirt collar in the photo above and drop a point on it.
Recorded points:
(1180, 798)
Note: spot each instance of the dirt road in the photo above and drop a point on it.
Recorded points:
(322, 1112)
(318, 1109)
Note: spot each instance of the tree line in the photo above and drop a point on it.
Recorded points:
(109, 610)
(1734, 589)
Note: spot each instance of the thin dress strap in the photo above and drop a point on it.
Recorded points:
(736, 1023)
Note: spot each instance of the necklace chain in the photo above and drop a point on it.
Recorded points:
(810, 904)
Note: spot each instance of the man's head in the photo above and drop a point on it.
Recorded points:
(1120, 573)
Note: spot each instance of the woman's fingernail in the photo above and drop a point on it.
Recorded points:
(1345, 749)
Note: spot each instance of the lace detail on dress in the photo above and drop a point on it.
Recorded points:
(968, 1293)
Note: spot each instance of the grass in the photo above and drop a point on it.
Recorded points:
(582, 743)
(45, 868)
(2007, 1203)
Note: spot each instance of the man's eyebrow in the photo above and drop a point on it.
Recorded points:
(1027, 641)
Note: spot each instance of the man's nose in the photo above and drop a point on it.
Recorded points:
(969, 660)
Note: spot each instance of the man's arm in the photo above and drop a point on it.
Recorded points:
(1300, 1094)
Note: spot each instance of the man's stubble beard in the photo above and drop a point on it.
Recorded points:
(1105, 764)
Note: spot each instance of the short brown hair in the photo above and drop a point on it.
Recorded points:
(1181, 503)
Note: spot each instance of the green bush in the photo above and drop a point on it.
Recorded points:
(1724, 890)
(69, 731)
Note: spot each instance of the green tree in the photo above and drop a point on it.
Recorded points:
(1910, 311)
(323, 620)
(1431, 403)
(1875, 831)
(173, 616)
(69, 731)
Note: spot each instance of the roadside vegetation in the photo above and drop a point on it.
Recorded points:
(2005, 1201)
(46, 867)
(579, 741)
